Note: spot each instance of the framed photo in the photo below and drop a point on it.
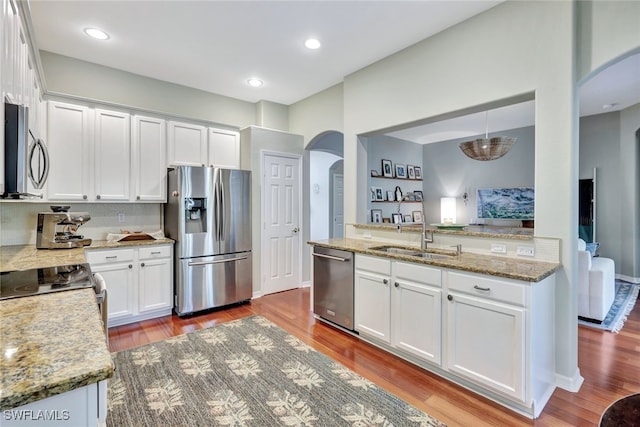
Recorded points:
(377, 194)
(396, 218)
(386, 220)
(374, 172)
(376, 216)
(387, 168)
(411, 173)
(418, 171)
(418, 195)
(407, 218)
(401, 170)
(391, 196)
(417, 216)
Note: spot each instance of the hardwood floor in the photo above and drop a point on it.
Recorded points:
(609, 363)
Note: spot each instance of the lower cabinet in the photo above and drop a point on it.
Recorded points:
(399, 304)
(492, 335)
(139, 281)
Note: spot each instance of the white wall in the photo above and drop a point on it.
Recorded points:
(320, 202)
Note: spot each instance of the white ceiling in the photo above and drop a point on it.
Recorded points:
(216, 46)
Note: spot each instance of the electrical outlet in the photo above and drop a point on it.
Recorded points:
(498, 249)
(525, 251)
(121, 217)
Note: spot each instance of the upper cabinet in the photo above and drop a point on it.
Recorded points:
(193, 145)
(148, 165)
(112, 155)
(69, 139)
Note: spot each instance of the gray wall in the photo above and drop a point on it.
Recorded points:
(448, 172)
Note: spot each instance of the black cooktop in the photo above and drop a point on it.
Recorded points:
(14, 284)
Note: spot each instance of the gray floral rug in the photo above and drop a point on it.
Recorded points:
(247, 372)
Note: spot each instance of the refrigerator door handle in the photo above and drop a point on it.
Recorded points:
(216, 190)
(194, 263)
(223, 211)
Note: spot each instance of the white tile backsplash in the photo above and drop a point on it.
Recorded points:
(18, 219)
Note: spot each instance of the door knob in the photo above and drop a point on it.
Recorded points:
(295, 230)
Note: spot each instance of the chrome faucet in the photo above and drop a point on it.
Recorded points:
(423, 235)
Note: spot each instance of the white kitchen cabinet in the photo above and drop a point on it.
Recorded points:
(224, 148)
(187, 144)
(69, 139)
(372, 298)
(112, 155)
(399, 304)
(417, 310)
(148, 159)
(155, 284)
(139, 281)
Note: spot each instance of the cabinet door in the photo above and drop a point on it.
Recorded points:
(112, 155)
(187, 144)
(69, 143)
(121, 296)
(416, 319)
(149, 164)
(486, 343)
(372, 305)
(155, 280)
(224, 149)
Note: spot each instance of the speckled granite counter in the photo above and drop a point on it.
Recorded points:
(24, 257)
(50, 344)
(530, 271)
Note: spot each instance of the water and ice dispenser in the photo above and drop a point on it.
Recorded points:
(195, 215)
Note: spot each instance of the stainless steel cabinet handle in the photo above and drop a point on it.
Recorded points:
(385, 281)
(450, 297)
(111, 257)
(130, 266)
(397, 285)
(98, 197)
(142, 264)
(156, 253)
(137, 197)
(191, 264)
(480, 288)
(331, 257)
(84, 197)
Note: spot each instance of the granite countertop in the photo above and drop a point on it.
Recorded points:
(24, 257)
(511, 268)
(50, 344)
(512, 233)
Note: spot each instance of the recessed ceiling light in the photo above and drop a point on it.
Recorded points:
(96, 33)
(312, 44)
(255, 82)
(607, 106)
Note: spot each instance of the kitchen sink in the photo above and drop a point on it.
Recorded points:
(410, 252)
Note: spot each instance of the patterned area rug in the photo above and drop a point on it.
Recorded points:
(625, 300)
(247, 372)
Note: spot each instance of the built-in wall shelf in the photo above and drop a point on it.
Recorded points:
(395, 202)
(396, 179)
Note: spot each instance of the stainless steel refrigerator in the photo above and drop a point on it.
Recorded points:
(208, 214)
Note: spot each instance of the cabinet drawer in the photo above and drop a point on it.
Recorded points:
(373, 264)
(109, 256)
(485, 287)
(154, 252)
(417, 273)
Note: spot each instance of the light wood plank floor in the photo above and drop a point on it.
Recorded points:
(609, 363)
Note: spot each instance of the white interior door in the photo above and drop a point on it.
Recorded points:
(338, 206)
(281, 240)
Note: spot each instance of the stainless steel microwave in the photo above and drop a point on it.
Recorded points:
(26, 157)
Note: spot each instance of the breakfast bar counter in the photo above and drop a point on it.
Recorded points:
(50, 344)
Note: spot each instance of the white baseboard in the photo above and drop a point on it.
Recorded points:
(628, 278)
(306, 284)
(571, 384)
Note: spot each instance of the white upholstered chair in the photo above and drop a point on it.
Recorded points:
(596, 284)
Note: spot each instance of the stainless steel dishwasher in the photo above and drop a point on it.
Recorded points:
(333, 285)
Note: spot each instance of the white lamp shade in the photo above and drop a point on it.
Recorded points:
(448, 210)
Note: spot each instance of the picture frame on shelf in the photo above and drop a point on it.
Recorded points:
(390, 196)
(418, 195)
(418, 172)
(407, 218)
(396, 218)
(374, 173)
(417, 216)
(411, 173)
(401, 171)
(376, 216)
(387, 168)
(377, 194)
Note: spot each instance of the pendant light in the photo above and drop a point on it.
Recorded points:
(487, 149)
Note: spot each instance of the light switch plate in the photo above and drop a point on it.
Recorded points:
(498, 249)
(525, 251)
